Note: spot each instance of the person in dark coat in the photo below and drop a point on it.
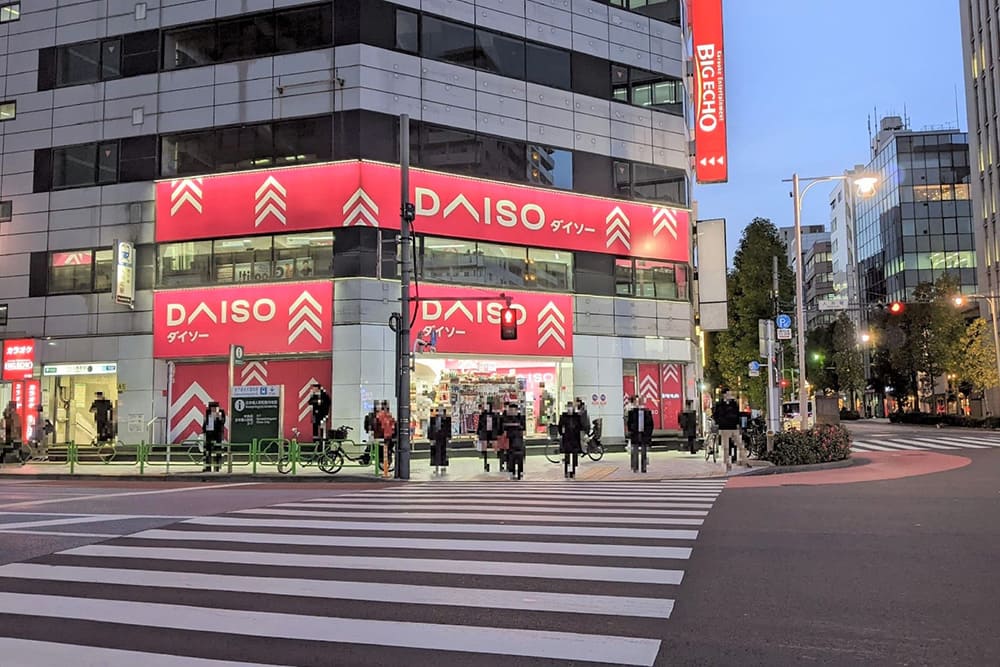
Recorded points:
(513, 426)
(486, 432)
(102, 409)
(320, 403)
(727, 417)
(439, 432)
(640, 434)
(581, 410)
(688, 421)
(570, 430)
(214, 429)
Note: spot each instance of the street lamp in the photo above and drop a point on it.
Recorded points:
(865, 185)
(991, 299)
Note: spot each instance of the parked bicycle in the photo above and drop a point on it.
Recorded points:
(317, 453)
(712, 442)
(339, 446)
(594, 449)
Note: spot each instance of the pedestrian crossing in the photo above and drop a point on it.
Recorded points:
(925, 443)
(468, 573)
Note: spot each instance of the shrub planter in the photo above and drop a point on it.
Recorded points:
(820, 444)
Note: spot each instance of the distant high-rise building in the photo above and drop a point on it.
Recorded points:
(811, 235)
(818, 283)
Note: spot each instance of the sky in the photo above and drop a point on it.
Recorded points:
(803, 79)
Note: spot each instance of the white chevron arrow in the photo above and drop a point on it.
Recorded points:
(363, 210)
(618, 228)
(304, 407)
(551, 324)
(258, 367)
(304, 317)
(270, 184)
(270, 200)
(648, 388)
(185, 191)
(664, 218)
(671, 372)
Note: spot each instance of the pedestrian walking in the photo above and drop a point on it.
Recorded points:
(320, 403)
(213, 427)
(570, 431)
(581, 411)
(103, 412)
(486, 433)
(514, 426)
(439, 432)
(11, 430)
(727, 416)
(640, 430)
(385, 430)
(688, 420)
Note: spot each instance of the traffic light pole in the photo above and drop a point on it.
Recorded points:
(406, 216)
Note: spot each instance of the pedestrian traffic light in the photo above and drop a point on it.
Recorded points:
(508, 324)
(896, 308)
(784, 383)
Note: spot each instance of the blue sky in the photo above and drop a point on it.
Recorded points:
(803, 78)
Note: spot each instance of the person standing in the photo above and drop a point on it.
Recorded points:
(688, 420)
(214, 429)
(386, 431)
(727, 416)
(486, 433)
(320, 403)
(103, 412)
(570, 430)
(439, 432)
(513, 426)
(640, 429)
(581, 411)
(11, 430)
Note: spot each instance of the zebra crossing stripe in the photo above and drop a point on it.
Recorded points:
(31, 652)
(395, 564)
(416, 527)
(552, 645)
(627, 505)
(986, 441)
(920, 443)
(405, 507)
(867, 446)
(946, 443)
(435, 544)
(488, 516)
(563, 603)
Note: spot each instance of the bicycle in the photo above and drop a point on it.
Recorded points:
(106, 449)
(319, 454)
(594, 450)
(712, 441)
(337, 454)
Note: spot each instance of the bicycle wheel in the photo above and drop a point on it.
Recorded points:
(330, 462)
(552, 452)
(106, 452)
(285, 465)
(595, 452)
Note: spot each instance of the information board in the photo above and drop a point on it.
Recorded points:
(255, 413)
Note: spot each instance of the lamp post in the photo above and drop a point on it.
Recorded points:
(865, 184)
(990, 299)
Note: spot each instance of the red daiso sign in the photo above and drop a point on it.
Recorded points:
(265, 319)
(347, 194)
(467, 321)
(711, 153)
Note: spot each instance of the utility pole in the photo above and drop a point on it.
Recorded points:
(773, 370)
(407, 213)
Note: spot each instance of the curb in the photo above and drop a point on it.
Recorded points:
(781, 470)
(204, 478)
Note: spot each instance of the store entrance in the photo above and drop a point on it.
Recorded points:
(71, 397)
(465, 385)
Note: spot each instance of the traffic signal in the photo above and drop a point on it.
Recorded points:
(508, 324)
(784, 383)
(896, 308)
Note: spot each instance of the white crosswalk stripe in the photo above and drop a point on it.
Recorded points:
(433, 574)
(926, 443)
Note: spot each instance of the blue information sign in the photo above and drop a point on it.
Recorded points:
(783, 321)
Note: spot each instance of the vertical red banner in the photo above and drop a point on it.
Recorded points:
(629, 390)
(711, 152)
(671, 394)
(27, 395)
(649, 390)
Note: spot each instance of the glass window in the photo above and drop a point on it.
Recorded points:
(500, 54)
(619, 83)
(547, 66)
(550, 269)
(502, 265)
(248, 147)
(73, 166)
(189, 47)
(550, 166)
(304, 29)
(444, 40)
(303, 256)
(407, 31)
(71, 272)
(6, 210)
(243, 260)
(10, 12)
(79, 63)
(303, 140)
(623, 277)
(961, 191)
(8, 110)
(448, 149)
(185, 264)
(659, 183)
(449, 260)
(111, 59)
(246, 37)
(186, 154)
(104, 266)
(107, 162)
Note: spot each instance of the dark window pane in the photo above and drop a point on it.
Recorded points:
(71, 272)
(550, 166)
(548, 66)
(303, 140)
(79, 63)
(591, 75)
(187, 154)
(111, 59)
(623, 277)
(303, 256)
(6, 210)
(107, 162)
(247, 147)
(664, 10)
(103, 270)
(187, 47)
(550, 269)
(656, 280)
(74, 166)
(659, 183)
(185, 264)
(444, 40)
(500, 54)
(448, 150)
(138, 159)
(47, 68)
(407, 35)
(303, 29)
(246, 37)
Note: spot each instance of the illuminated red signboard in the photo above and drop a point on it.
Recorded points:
(467, 321)
(290, 318)
(711, 153)
(349, 194)
(18, 359)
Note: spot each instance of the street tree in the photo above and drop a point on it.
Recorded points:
(847, 359)
(977, 358)
(750, 299)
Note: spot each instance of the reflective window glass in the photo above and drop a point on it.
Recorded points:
(444, 40)
(303, 256)
(186, 154)
(188, 47)
(550, 269)
(623, 277)
(500, 54)
(10, 12)
(547, 66)
(104, 266)
(78, 63)
(243, 260)
(71, 271)
(111, 59)
(74, 166)
(303, 29)
(550, 166)
(449, 260)
(246, 37)
(501, 265)
(407, 31)
(185, 264)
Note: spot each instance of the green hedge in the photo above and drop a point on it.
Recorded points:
(849, 415)
(928, 418)
(820, 444)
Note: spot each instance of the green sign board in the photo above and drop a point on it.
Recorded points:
(255, 412)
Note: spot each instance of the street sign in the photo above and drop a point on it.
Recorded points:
(832, 304)
(784, 334)
(255, 413)
(238, 353)
(783, 322)
(754, 367)
(124, 275)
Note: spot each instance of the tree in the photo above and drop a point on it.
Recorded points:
(847, 359)
(820, 348)
(977, 359)
(750, 299)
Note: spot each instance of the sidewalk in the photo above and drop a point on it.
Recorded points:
(613, 467)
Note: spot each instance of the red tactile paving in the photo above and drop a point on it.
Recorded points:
(879, 466)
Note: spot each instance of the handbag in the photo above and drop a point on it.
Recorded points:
(502, 442)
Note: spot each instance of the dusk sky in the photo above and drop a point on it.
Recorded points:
(803, 79)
